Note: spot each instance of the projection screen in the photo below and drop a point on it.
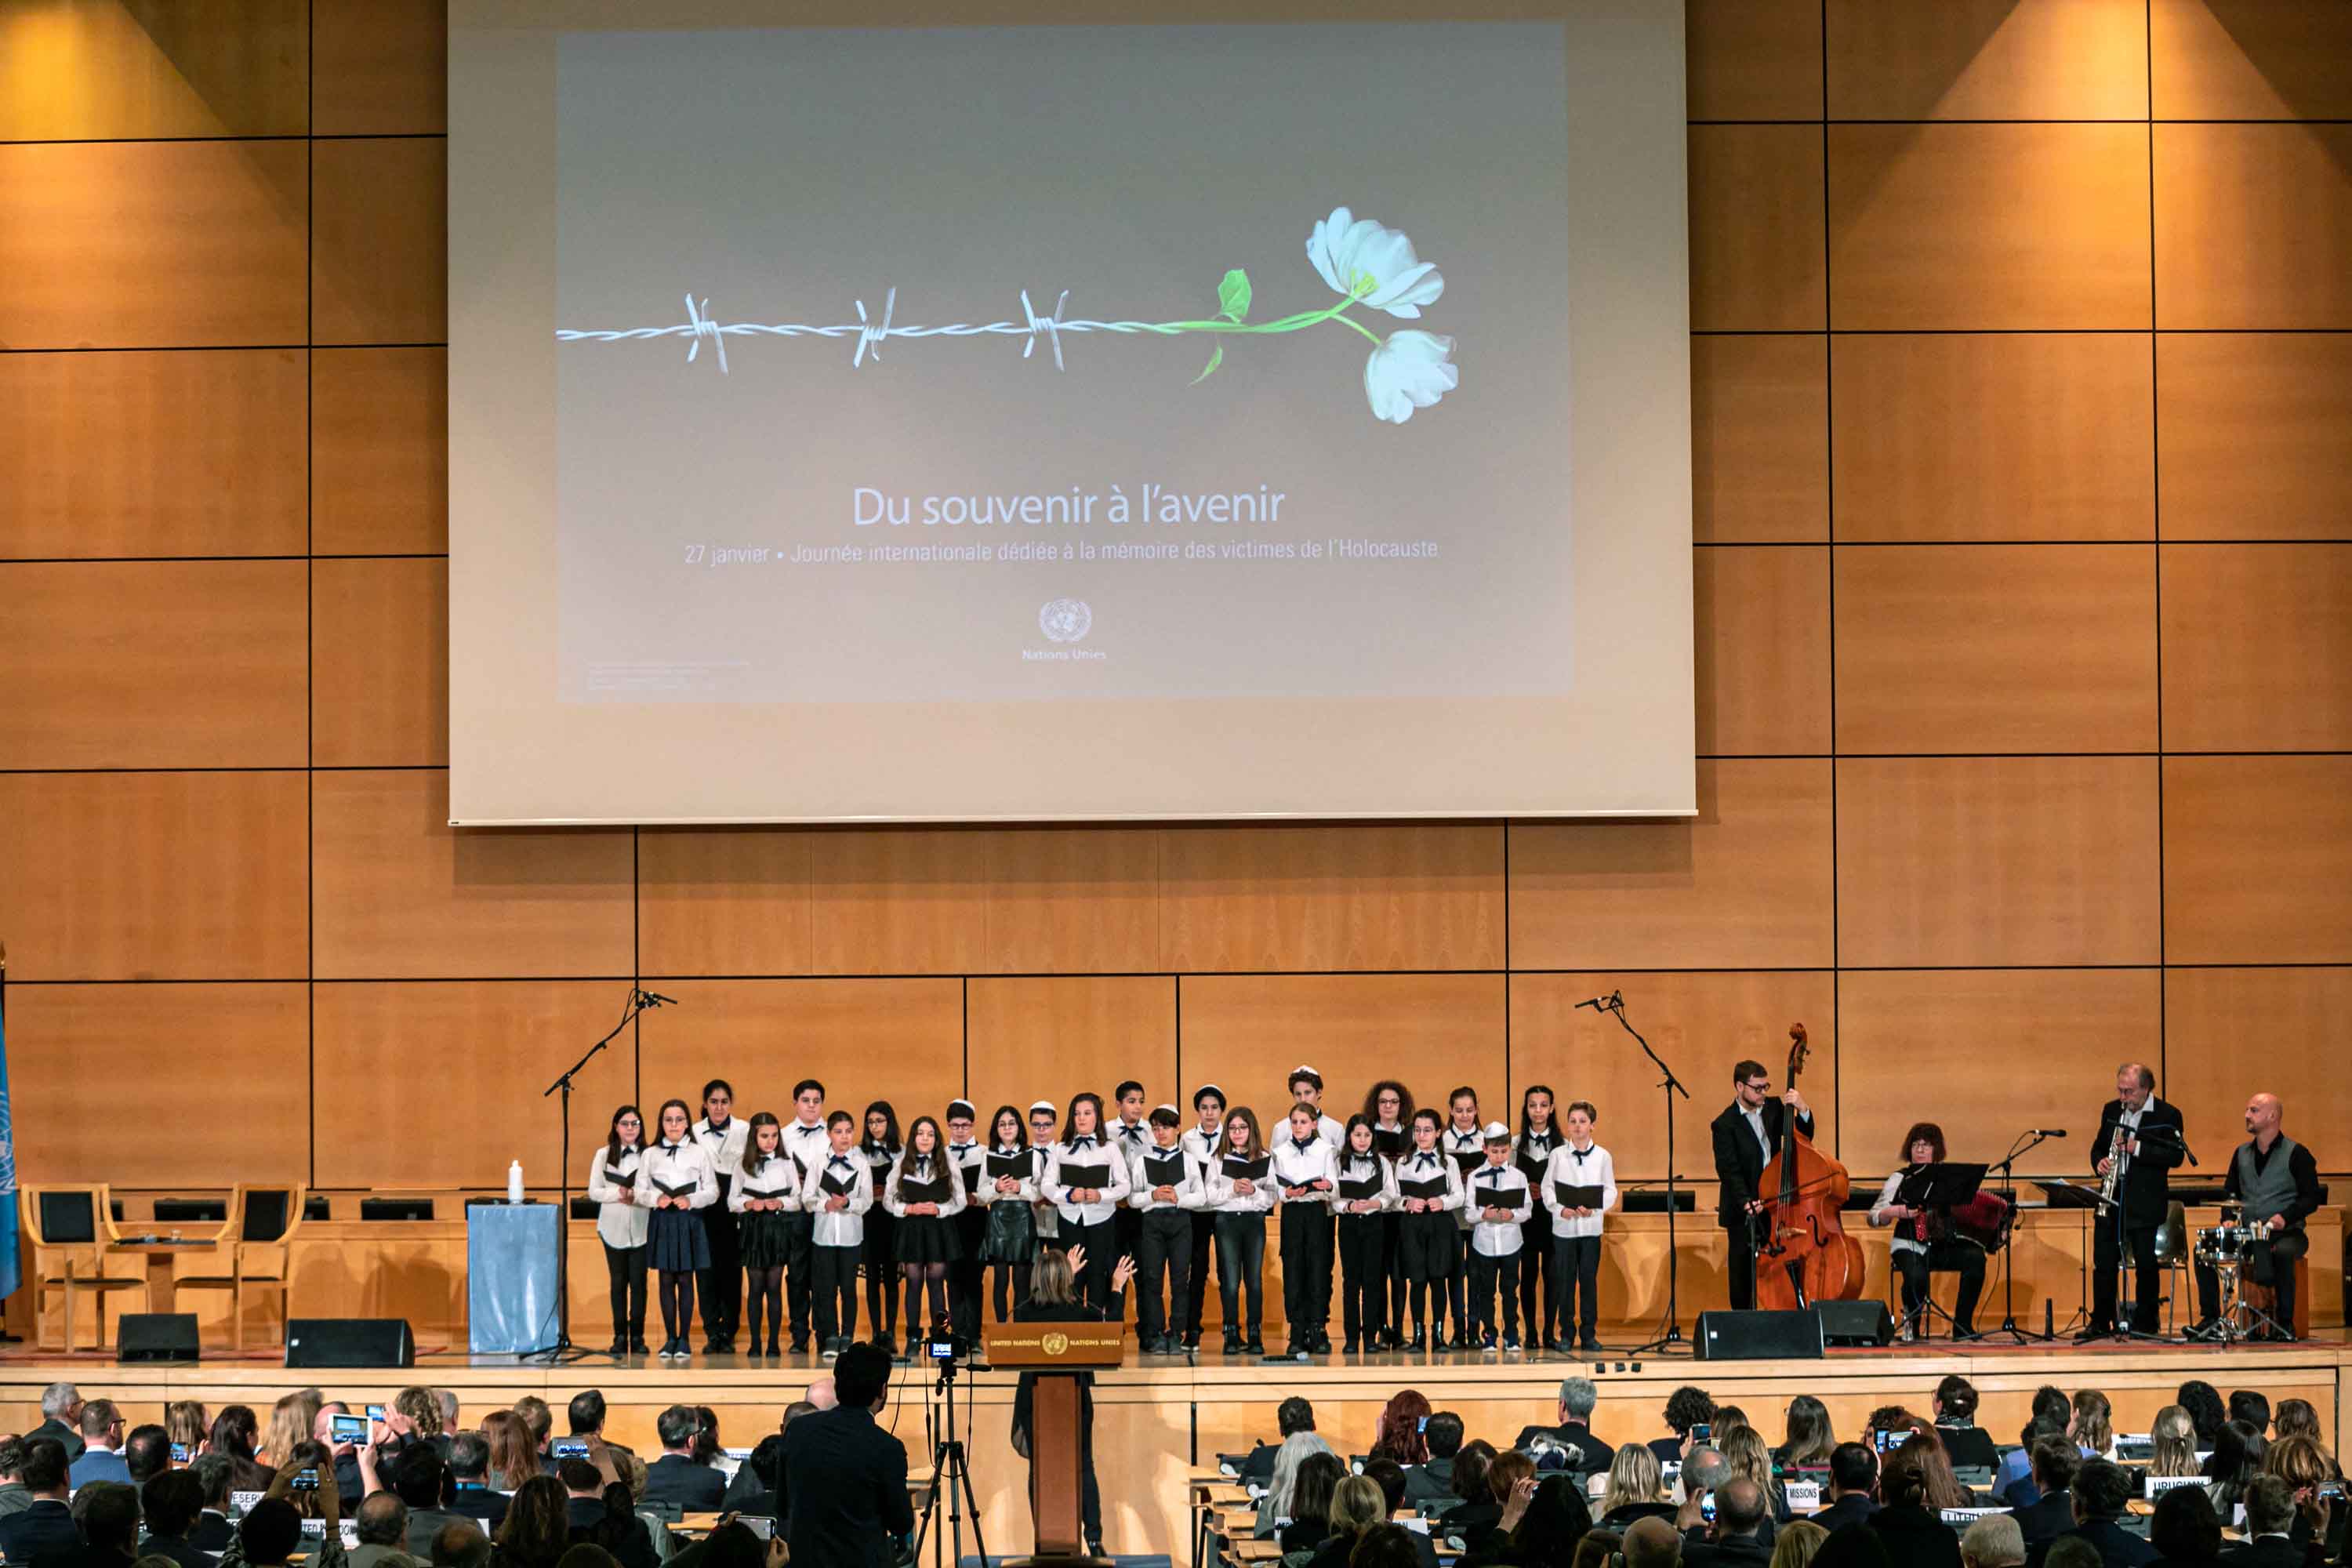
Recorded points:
(912, 419)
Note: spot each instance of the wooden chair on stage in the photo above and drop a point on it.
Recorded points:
(254, 1251)
(71, 1229)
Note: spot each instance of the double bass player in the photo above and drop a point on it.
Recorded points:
(1747, 1135)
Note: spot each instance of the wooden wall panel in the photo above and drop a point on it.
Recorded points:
(1048, 1038)
(1943, 228)
(386, 1057)
(899, 1040)
(1430, 1032)
(1943, 1045)
(1763, 650)
(722, 901)
(79, 1046)
(1753, 60)
(1335, 897)
(379, 451)
(137, 664)
(1756, 249)
(1072, 900)
(1760, 439)
(152, 453)
(2258, 648)
(2231, 1034)
(2253, 429)
(78, 70)
(2251, 224)
(400, 894)
(2004, 648)
(1987, 59)
(1745, 884)
(906, 903)
(152, 244)
(154, 876)
(382, 67)
(1992, 436)
(2249, 60)
(1702, 1025)
(380, 663)
(2257, 857)
(1986, 861)
(380, 242)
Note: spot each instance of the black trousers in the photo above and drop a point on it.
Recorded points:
(1950, 1256)
(1576, 1264)
(1741, 1274)
(1364, 1277)
(1538, 1283)
(1392, 1264)
(800, 1232)
(1101, 1242)
(2107, 1263)
(835, 1271)
(722, 1282)
(1486, 1275)
(1241, 1269)
(625, 1269)
(1164, 1246)
(1457, 1288)
(2269, 1263)
(1306, 1268)
(1127, 1226)
(1205, 1249)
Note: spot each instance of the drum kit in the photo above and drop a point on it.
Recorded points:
(2228, 1250)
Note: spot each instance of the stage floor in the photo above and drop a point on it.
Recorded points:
(1158, 1417)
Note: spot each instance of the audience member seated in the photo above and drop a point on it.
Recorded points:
(2235, 1461)
(2270, 1527)
(1389, 1476)
(2185, 1530)
(13, 1498)
(538, 1421)
(846, 1476)
(2296, 1418)
(213, 1530)
(2102, 1492)
(754, 1490)
(1744, 1451)
(677, 1480)
(1914, 1486)
(1686, 1407)
(1387, 1546)
(460, 1543)
(1807, 1437)
(101, 1444)
(1544, 1524)
(510, 1458)
(471, 1495)
(170, 1504)
(419, 1477)
(146, 1453)
(1852, 1495)
(1274, 1509)
(2305, 1467)
(1636, 1489)
(2249, 1406)
(2055, 1460)
(1799, 1541)
(1969, 1446)
(271, 1531)
(2172, 1440)
(1993, 1541)
(1356, 1507)
(537, 1526)
(2094, 1428)
(1598, 1550)
(382, 1526)
(1311, 1488)
(46, 1524)
(1704, 1469)
(60, 1419)
(1651, 1542)
(2051, 1412)
(1402, 1432)
(1586, 1453)
(1736, 1536)
(107, 1515)
(2206, 1411)
(1433, 1480)
(2070, 1551)
(1291, 1416)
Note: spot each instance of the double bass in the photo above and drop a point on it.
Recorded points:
(1803, 1252)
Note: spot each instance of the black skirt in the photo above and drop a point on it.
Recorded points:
(926, 1238)
(765, 1238)
(1012, 1233)
(676, 1242)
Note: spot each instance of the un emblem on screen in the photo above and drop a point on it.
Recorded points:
(1065, 620)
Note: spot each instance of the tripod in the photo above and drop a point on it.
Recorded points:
(951, 1474)
(2009, 1328)
(563, 1350)
(1670, 1332)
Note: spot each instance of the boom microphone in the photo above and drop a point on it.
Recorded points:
(655, 999)
(1601, 1004)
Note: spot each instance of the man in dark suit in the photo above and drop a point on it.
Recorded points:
(677, 1480)
(1433, 1482)
(216, 1477)
(2055, 1460)
(1737, 1539)
(2101, 1493)
(2153, 1144)
(170, 1503)
(592, 1521)
(2270, 1527)
(1854, 1483)
(1591, 1456)
(1747, 1135)
(60, 1418)
(847, 1477)
(48, 1524)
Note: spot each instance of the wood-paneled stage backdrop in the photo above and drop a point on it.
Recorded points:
(2021, 356)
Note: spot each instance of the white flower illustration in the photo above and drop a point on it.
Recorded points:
(1377, 265)
(1413, 370)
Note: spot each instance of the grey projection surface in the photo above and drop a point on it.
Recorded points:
(1003, 498)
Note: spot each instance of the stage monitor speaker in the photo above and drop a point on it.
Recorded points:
(155, 1336)
(349, 1341)
(1760, 1336)
(1856, 1322)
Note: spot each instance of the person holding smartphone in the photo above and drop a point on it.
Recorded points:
(621, 1226)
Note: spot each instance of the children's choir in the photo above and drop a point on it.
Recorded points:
(1422, 1213)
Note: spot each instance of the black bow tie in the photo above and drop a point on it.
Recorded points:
(1086, 1142)
(670, 1148)
(718, 1129)
(1424, 1158)
(839, 1160)
(1127, 1131)
(1580, 1154)
(1302, 1144)
(961, 1148)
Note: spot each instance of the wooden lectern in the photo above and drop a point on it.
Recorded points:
(1056, 1352)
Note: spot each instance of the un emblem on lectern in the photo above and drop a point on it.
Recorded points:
(1056, 1344)
(1065, 620)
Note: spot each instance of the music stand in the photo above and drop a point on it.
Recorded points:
(1940, 1187)
(2007, 1166)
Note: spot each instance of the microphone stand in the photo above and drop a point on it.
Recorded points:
(2009, 1328)
(563, 1351)
(1670, 1334)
